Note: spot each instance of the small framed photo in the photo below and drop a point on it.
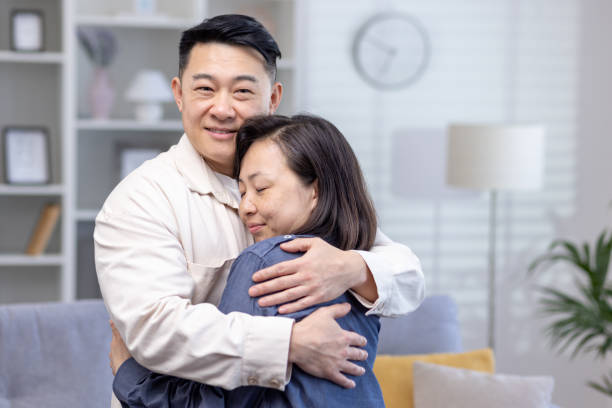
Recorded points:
(131, 156)
(27, 31)
(26, 155)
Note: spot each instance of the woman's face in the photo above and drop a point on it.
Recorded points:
(274, 199)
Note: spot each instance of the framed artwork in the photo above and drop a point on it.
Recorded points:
(131, 156)
(27, 30)
(26, 155)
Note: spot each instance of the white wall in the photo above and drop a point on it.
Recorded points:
(492, 60)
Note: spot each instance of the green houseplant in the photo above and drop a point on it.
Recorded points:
(583, 321)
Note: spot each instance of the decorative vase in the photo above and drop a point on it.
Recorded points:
(102, 94)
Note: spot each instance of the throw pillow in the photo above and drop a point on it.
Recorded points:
(394, 373)
(437, 386)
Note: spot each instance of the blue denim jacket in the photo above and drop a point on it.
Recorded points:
(136, 386)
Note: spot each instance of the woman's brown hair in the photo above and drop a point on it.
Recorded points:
(315, 150)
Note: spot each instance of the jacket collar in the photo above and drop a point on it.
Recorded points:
(199, 176)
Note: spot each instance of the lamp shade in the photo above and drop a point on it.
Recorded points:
(149, 86)
(495, 157)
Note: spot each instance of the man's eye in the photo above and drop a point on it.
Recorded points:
(204, 88)
(244, 91)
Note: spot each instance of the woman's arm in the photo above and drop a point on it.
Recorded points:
(390, 270)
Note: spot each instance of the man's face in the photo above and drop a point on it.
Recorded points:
(222, 85)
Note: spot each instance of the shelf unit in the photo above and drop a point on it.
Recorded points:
(36, 92)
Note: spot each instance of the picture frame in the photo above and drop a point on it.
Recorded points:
(27, 30)
(27, 158)
(131, 156)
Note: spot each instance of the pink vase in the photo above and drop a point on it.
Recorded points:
(102, 94)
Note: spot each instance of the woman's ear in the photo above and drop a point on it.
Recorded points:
(315, 195)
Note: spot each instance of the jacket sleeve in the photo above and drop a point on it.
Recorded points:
(147, 288)
(398, 277)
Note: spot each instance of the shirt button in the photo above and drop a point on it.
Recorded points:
(275, 383)
(288, 236)
(252, 380)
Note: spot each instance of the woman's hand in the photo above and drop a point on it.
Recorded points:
(322, 274)
(322, 348)
(118, 350)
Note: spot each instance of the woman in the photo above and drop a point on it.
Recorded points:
(296, 176)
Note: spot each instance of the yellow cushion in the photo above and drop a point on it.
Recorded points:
(394, 373)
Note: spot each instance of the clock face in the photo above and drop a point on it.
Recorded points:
(391, 51)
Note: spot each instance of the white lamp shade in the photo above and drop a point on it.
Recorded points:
(495, 157)
(149, 86)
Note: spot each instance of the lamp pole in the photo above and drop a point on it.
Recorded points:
(491, 294)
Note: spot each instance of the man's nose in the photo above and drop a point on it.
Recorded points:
(222, 108)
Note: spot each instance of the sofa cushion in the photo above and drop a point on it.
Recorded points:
(55, 355)
(437, 386)
(394, 373)
(432, 328)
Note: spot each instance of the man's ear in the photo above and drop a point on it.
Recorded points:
(177, 91)
(276, 96)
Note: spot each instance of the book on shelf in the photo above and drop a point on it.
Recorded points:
(43, 229)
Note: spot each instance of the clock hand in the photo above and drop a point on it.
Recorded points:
(380, 44)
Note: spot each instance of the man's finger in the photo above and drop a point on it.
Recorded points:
(285, 296)
(356, 340)
(352, 369)
(297, 245)
(342, 380)
(356, 354)
(300, 304)
(273, 286)
(338, 310)
(274, 271)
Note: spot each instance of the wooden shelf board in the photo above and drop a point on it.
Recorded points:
(32, 57)
(112, 125)
(46, 190)
(30, 260)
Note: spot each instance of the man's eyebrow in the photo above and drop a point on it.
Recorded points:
(250, 78)
(202, 76)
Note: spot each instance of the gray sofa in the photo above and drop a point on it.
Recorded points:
(56, 354)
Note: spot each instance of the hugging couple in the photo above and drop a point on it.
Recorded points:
(244, 267)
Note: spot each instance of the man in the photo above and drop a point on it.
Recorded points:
(167, 235)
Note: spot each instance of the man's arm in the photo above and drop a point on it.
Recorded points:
(147, 287)
(389, 270)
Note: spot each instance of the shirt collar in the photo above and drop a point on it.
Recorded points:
(199, 176)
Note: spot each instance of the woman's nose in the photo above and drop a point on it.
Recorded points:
(246, 206)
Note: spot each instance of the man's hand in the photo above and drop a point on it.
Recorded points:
(118, 350)
(322, 348)
(323, 273)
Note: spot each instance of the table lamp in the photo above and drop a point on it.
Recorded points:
(149, 89)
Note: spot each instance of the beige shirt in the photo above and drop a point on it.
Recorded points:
(164, 243)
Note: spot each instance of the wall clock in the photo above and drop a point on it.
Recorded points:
(391, 50)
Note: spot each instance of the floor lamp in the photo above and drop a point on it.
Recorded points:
(494, 158)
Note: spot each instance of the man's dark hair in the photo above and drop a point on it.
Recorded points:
(315, 150)
(231, 29)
